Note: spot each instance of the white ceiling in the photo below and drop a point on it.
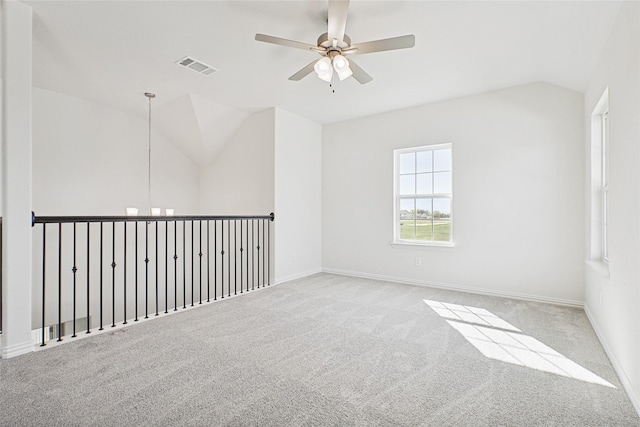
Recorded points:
(114, 51)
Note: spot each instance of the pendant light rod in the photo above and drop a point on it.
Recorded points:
(149, 95)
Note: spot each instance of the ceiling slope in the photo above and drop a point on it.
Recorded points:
(198, 127)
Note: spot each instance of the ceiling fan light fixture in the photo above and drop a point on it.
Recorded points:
(323, 65)
(323, 69)
(341, 65)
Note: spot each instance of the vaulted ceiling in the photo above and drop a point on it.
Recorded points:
(114, 51)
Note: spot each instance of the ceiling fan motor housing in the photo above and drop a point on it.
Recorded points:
(323, 41)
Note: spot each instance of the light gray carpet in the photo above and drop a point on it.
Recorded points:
(324, 350)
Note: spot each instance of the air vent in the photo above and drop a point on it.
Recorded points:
(66, 328)
(197, 66)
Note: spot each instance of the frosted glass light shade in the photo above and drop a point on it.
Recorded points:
(155, 211)
(132, 211)
(168, 212)
(322, 65)
(323, 69)
(341, 65)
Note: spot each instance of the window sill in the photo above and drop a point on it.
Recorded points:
(599, 267)
(430, 245)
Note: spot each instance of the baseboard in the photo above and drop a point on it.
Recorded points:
(626, 383)
(16, 350)
(296, 276)
(448, 286)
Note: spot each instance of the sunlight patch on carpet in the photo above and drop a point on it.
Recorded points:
(497, 339)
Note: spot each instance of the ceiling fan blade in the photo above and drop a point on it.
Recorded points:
(337, 21)
(359, 74)
(285, 42)
(401, 42)
(304, 72)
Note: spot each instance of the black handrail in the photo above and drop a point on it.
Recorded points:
(139, 218)
(248, 243)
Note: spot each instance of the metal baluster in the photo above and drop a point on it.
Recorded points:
(192, 253)
(44, 275)
(241, 259)
(235, 257)
(264, 250)
(269, 251)
(156, 267)
(166, 267)
(258, 253)
(222, 258)
(146, 269)
(60, 282)
(215, 260)
(74, 270)
(175, 265)
(229, 257)
(88, 265)
(248, 254)
(253, 257)
(184, 265)
(136, 268)
(124, 276)
(101, 272)
(208, 263)
(113, 276)
(200, 255)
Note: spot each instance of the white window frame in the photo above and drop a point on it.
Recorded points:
(599, 187)
(397, 197)
(605, 184)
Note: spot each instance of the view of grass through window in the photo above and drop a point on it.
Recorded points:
(440, 231)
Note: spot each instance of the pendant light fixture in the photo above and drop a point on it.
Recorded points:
(151, 211)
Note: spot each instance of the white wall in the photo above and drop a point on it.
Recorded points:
(240, 180)
(612, 302)
(15, 125)
(297, 196)
(518, 193)
(91, 159)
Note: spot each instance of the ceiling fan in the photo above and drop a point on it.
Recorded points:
(334, 45)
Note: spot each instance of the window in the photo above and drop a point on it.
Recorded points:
(605, 184)
(600, 146)
(423, 195)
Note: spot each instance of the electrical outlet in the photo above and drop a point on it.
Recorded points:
(418, 261)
